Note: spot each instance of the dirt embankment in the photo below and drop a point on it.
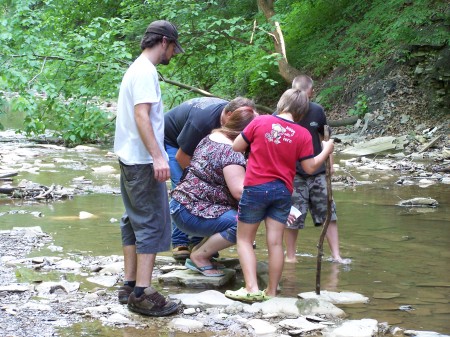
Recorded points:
(405, 96)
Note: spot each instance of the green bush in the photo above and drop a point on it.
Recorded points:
(360, 108)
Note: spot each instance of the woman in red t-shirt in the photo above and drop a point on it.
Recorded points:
(276, 144)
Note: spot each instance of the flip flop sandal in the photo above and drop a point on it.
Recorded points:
(202, 270)
(217, 265)
(244, 296)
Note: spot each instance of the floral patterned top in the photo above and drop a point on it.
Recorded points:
(202, 189)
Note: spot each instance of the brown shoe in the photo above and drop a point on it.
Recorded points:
(181, 253)
(124, 293)
(151, 303)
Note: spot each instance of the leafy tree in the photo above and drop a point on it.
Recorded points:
(59, 63)
(64, 58)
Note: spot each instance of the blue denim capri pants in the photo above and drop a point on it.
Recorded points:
(271, 199)
(193, 225)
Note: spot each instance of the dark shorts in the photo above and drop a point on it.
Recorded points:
(146, 221)
(271, 199)
(310, 193)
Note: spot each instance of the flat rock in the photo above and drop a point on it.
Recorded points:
(283, 306)
(67, 264)
(344, 297)
(376, 145)
(205, 299)
(356, 328)
(50, 287)
(103, 280)
(419, 202)
(417, 333)
(192, 279)
(301, 325)
(86, 215)
(318, 306)
(116, 319)
(186, 325)
(112, 268)
(262, 328)
(14, 288)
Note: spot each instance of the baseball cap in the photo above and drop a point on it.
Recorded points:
(168, 29)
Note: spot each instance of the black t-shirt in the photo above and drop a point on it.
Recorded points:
(314, 121)
(188, 123)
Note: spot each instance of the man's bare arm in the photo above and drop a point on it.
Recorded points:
(145, 129)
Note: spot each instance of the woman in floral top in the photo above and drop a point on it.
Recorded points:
(205, 201)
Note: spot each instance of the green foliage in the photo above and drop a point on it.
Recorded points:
(360, 108)
(58, 64)
(328, 95)
(331, 93)
(62, 58)
(324, 34)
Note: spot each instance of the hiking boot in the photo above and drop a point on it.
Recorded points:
(124, 293)
(151, 303)
(181, 253)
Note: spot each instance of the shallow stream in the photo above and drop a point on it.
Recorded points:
(400, 256)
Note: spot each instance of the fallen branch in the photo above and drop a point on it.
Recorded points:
(344, 121)
(430, 144)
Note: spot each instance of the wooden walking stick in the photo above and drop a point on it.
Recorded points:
(328, 217)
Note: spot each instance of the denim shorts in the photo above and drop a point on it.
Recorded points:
(271, 199)
(146, 221)
(193, 225)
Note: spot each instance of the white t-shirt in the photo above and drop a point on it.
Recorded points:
(139, 85)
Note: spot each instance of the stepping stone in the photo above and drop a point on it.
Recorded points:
(192, 279)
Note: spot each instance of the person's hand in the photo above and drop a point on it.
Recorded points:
(161, 169)
(291, 219)
(328, 146)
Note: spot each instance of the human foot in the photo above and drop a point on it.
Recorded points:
(340, 260)
(206, 270)
(151, 303)
(290, 259)
(245, 296)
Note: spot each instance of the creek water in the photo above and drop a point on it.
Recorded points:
(400, 256)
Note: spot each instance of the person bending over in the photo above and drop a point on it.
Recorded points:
(204, 203)
(185, 126)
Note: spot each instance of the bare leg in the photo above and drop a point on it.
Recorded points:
(333, 241)
(145, 264)
(274, 237)
(290, 239)
(246, 234)
(130, 262)
(201, 255)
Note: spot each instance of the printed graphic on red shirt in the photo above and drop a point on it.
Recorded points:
(280, 133)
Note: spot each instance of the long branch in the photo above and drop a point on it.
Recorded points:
(61, 58)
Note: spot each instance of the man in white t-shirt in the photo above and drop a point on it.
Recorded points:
(139, 144)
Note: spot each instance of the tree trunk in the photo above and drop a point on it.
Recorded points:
(286, 70)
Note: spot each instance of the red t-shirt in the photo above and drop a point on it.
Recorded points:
(275, 146)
